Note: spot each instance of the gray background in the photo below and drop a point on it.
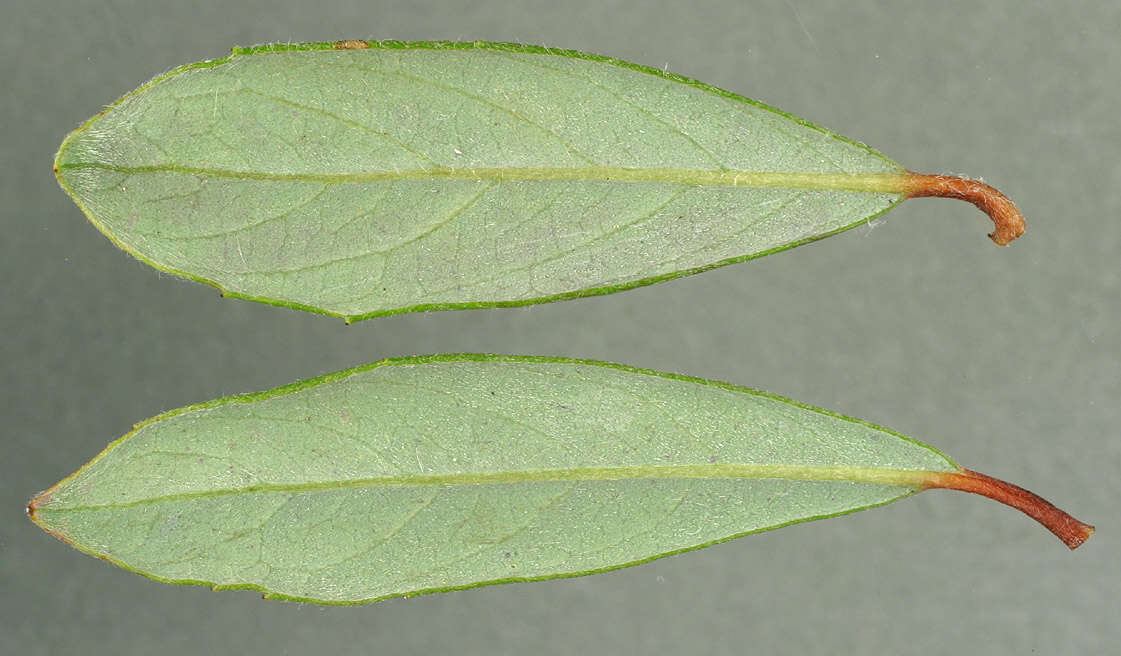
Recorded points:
(1005, 358)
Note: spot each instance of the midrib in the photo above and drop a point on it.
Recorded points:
(866, 182)
(874, 475)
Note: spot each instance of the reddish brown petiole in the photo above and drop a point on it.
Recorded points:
(1006, 216)
(1068, 529)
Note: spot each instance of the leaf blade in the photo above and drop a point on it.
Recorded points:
(138, 504)
(506, 241)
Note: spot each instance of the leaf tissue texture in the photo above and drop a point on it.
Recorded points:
(416, 176)
(445, 472)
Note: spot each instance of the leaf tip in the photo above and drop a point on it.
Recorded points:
(34, 506)
(1007, 219)
(1065, 527)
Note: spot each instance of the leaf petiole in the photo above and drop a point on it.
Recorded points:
(1068, 529)
(1007, 219)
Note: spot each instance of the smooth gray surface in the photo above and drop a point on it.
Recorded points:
(1008, 359)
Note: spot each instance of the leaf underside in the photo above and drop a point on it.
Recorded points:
(446, 472)
(412, 176)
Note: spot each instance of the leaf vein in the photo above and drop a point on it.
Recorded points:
(484, 101)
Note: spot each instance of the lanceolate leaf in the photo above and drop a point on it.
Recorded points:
(444, 472)
(359, 179)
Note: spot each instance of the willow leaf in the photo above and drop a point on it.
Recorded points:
(359, 179)
(446, 472)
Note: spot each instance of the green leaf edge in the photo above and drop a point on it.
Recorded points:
(458, 45)
(474, 357)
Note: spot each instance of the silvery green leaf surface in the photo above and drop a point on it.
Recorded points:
(407, 176)
(445, 472)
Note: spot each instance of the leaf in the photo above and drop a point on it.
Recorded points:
(445, 472)
(361, 179)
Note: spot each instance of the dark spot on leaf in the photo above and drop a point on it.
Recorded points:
(351, 44)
